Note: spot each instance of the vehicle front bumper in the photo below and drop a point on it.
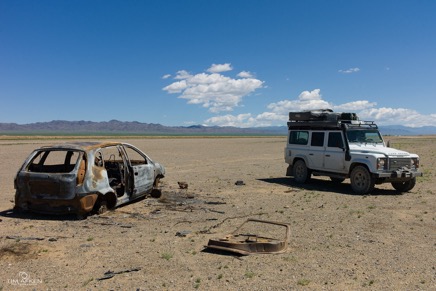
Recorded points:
(399, 175)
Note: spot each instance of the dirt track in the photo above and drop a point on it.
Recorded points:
(339, 241)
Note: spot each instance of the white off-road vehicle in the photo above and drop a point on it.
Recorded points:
(340, 146)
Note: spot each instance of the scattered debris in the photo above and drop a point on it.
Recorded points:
(183, 185)
(24, 238)
(213, 210)
(110, 274)
(239, 183)
(246, 243)
(183, 233)
(214, 202)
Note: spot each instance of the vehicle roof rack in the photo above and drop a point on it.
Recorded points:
(322, 119)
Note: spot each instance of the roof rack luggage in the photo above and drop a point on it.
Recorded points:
(321, 115)
(321, 118)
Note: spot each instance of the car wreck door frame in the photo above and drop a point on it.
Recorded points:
(141, 176)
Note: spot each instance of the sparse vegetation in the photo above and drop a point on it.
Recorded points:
(303, 282)
(249, 274)
(166, 256)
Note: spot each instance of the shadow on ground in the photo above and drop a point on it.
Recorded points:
(10, 213)
(314, 184)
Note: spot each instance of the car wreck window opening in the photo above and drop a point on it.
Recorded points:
(135, 157)
(53, 161)
(114, 163)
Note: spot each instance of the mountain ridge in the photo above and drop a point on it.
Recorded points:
(134, 127)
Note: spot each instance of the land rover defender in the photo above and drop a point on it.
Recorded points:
(340, 146)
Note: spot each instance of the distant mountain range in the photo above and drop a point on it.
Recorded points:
(130, 127)
(134, 127)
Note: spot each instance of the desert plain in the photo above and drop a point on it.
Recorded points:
(338, 240)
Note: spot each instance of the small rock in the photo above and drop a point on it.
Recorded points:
(183, 185)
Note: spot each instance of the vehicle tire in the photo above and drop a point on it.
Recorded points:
(404, 186)
(300, 172)
(156, 193)
(337, 180)
(362, 181)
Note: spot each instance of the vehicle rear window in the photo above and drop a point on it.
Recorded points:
(54, 161)
(299, 137)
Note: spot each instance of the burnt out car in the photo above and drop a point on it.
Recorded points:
(82, 177)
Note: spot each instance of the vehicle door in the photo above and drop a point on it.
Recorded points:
(141, 170)
(316, 152)
(334, 155)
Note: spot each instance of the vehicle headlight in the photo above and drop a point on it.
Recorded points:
(381, 163)
(415, 163)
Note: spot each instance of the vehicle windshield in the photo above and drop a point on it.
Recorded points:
(364, 136)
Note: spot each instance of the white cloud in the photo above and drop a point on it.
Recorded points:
(395, 116)
(182, 75)
(176, 87)
(349, 71)
(213, 91)
(277, 113)
(307, 100)
(245, 74)
(354, 106)
(166, 76)
(220, 68)
(241, 120)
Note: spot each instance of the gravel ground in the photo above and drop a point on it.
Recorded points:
(339, 241)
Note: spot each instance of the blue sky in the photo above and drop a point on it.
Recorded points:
(239, 63)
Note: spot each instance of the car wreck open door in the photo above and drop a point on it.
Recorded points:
(141, 171)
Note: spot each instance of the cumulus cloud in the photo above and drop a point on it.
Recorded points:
(213, 90)
(354, 106)
(182, 75)
(245, 74)
(166, 76)
(277, 113)
(220, 68)
(349, 71)
(307, 100)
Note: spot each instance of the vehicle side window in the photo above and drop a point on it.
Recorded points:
(317, 139)
(135, 157)
(299, 137)
(335, 140)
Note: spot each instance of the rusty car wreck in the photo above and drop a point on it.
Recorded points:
(244, 241)
(84, 177)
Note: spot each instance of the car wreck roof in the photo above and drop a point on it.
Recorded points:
(82, 145)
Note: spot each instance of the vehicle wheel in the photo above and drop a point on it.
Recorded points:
(362, 181)
(156, 193)
(337, 180)
(300, 172)
(404, 186)
(100, 206)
